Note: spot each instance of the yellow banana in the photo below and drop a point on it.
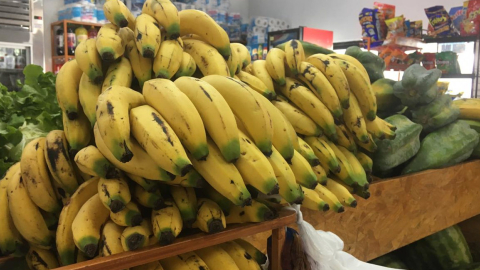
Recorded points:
(216, 258)
(117, 13)
(134, 238)
(275, 65)
(210, 218)
(353, 61)
(329, 198)
(242, 51)
(370, 145)
(77, 132)
(129, 216)
(307, 152)
(366, 161)
(90, 161)
(380, 129)
(111, 243)
(191, 179)
(207, 58)
(249, 69)
(187, 66)
(148, 36)
(253, 251)
(257, 212)
(325, 154)
(346, 173)
(89, 61)
(126, 34)
(358, 173)
(294, 55)
(241, 257)
(346, 139)
(40, 259)
(186, 201)
(341, 193)
(469, 108)
(114, 193)
(313, 201)
(147, 185)
(303, 172)
(321, 174)
(167, 223)
(210, 193)
(166, 14)
(88, 93)
(110, 45)
(234, 62)
(118, 74)
(259, 69)
(141, 66)
(168, 60)
(301, 123)
(149, 266)
(150, 199)
(354, 120)
(256, 84)
(66, 86)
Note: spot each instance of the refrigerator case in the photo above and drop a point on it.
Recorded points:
(21, 38)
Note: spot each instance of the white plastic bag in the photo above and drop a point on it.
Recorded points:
(325, 249)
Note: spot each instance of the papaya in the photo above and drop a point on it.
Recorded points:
(386, 100)
(374, 65)
(391, 153)
(444, 147)
(418, 86)
(473, 124)
(436, 114)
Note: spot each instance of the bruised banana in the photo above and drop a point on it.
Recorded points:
(114, 193)
(129, 216)
(92, 162)
(77, 132)
(257, 212)
(111, 243)
(109, 44)
(167, 223)
(168, 60)
(141, 66)
(208, 59)
(148, 36)
(149, 199)
(210, 218)
(294, 55)
(354, 120)
(166, 14)
(186, 201)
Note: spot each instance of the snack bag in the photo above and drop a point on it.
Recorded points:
(439, 20)
(418, 29)
(415, 58)
(370, 24)
(395, 27)
(409, 28)
(447, 62)
(385, 12)
(470, 26)
(428, 60)
(442, 87)
(457, 16)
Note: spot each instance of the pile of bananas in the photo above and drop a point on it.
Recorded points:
(168, 126)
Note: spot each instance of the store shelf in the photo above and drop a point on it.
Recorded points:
(457, 76)
(6, 70)
(401, 210)
(189, 243)
(450, 39)
(57, 23)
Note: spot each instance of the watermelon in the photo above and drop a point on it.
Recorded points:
(389, 260)
(473, 266)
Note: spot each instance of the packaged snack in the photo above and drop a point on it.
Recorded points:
(415, 58)
(439, 20)
(409, 29)
(418, 29)
(447, 62)
(470, 26)
(385, 12)
(370, 24)
(428, 60)
(395, 27)
(442, 87)
(457, 16)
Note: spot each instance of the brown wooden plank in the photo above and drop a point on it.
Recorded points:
(278, 238)
(401, 210)
(134, 258)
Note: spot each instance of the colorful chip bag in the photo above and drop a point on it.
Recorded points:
(418, 29)
(447, 62)
(370, 24)
(439, 20)
(470, 26)
(385, 12)
(395, 27)
(457, 16)
(428, 61)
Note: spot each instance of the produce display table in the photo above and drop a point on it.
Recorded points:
(190, 243)
(401, 210)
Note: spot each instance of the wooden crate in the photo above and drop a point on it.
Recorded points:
(401, 210)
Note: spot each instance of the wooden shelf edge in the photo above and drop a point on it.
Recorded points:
(77, 23)
(190, 243)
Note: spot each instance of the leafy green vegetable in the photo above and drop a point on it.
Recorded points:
(27, 114)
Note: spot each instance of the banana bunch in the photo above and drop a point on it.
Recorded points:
(469, 108)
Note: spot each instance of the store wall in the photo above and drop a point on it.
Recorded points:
(340, 16)
(50, 8)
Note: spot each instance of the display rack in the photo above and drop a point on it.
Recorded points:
(64, 23)
(401, 210)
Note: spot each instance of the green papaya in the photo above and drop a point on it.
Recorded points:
(386, 100)
(374, 65)
(436, 114)
(309, 48)
(391, 153)
(473, 266)
(473, 124)
(418, 86)
(444, 147)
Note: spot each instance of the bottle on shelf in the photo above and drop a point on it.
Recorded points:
(81, 34)
(3, 64)
(92, 32)
(71, 41)
(60, 41)
(10, 59)
(20, 59)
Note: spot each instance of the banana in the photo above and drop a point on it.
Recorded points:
(187, 66)
(353, 61)
(256, 84)
(64, 236)
(36, 177)
(255, 168)
(189, 260)
(345, 138)
(215, 170)
(113, 120)
(148, 36)
(147, 225)
(380, 129)
(361, 88)
(209, 61)
(168, 60)
(469, 108)
(88, 93)
(289, 189)
(134, 238)
(259, 69)
(159, 140)
(210, 218)
(147, 185)
(149, 266)
(129, 216)
(41, 259)
(199, 23)
(87, 225)
(114, 193)
(233, 62)
(58, 161)
(321, 87)
(118, 74)
(141, 163)
(89, 61)
(186, 201)
(366, 162)
(334, 75)
(370, 145)
(329, 198)
(275, 65)
(341, 193)
(167, 223)
(294, 55)
(90, 161)
(109, 44)
(66, 86)
(149, 199)
(216, 258)
(180, 113)
(257, 212)
(241, 257)
(325, 154)
(10, 238)
(257, 255)
(358, 173)
(313, 201)
(191, 179)
(77, 132)
(354, 120)
(249, 69)
(307, 152)
(321, 174)
(303, 172)
(117, 13)
(248, 108)
(242, 51)
(210, 193)
(217, 116)
(301, 123)
(166, 14)
(346, 173)
(141, 66)
(111, 243)
(127, 35)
